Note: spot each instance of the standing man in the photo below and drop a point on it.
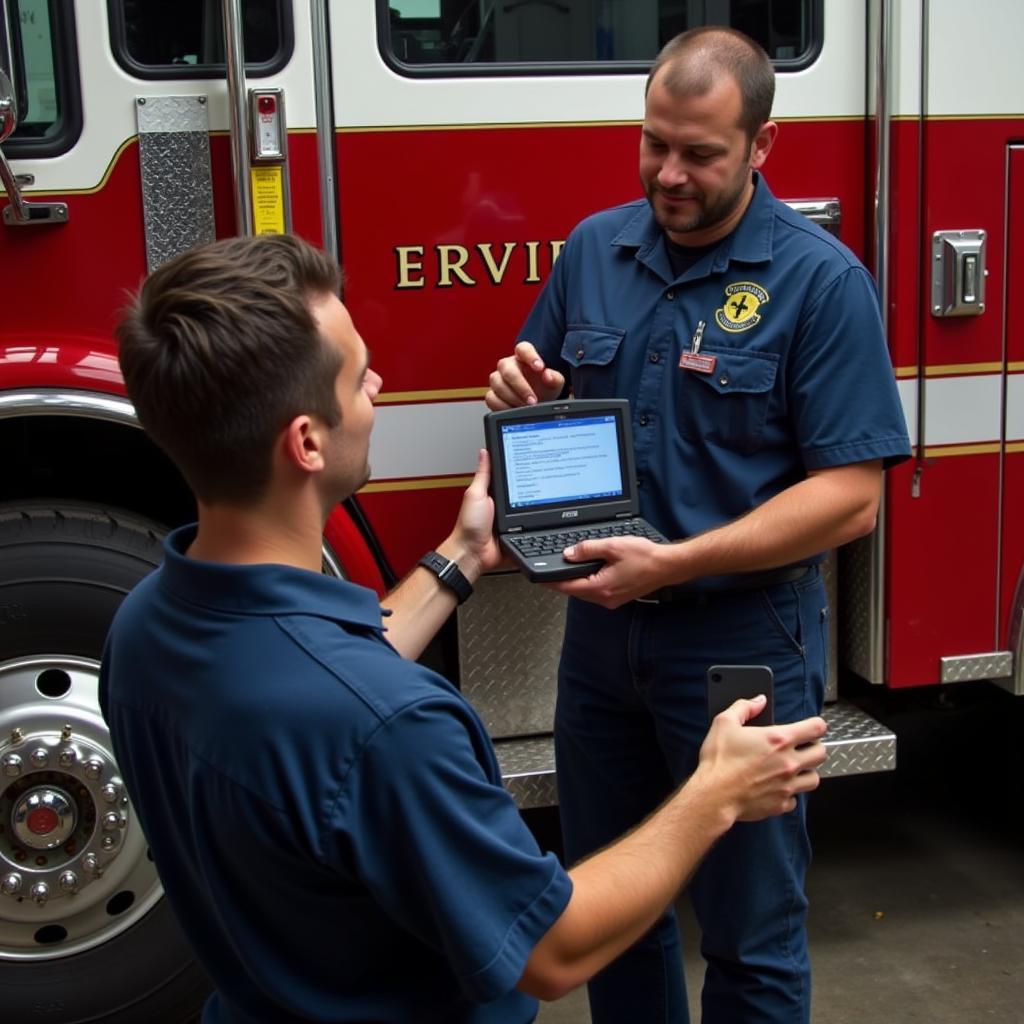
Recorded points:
(764, 411)
(328, 818)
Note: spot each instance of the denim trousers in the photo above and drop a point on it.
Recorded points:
(630, 718)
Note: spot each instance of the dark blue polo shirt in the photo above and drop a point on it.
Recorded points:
(327, 818)
(795, 375)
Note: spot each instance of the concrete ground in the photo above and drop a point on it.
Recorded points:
(917, 887)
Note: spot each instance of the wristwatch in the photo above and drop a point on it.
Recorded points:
(448, 572)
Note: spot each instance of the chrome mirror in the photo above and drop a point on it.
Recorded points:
(19, 211)
(8, 107)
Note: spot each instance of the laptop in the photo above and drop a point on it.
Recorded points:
(563, 472)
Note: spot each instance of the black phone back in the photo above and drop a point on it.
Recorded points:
(727, 684)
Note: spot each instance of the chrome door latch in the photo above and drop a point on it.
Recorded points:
(958, 273)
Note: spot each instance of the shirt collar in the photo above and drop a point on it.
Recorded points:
(263, 589)
(750, 242)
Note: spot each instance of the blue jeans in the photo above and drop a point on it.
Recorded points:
(630, 719)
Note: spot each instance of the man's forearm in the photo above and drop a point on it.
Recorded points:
(621, 891)
(825, 510)
(421, 603)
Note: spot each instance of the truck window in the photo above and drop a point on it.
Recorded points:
(185, 38)
(39, 54)
(431, 36)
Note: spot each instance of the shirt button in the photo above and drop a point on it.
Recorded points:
(643, 421)
(579, 352)
(654, 357)
(723, 380)
(670, 296)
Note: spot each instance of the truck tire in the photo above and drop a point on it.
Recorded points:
(99, 943)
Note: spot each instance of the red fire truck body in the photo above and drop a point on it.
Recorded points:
(445, 150)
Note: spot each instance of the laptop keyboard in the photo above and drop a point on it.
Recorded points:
(531, 544)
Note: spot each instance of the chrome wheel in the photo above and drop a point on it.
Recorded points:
(74, 869)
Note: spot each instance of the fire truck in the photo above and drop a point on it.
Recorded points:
(444, 149)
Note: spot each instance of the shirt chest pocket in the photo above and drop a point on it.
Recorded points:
(590, 352)
(729, 405)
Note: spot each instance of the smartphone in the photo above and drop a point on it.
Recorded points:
(728, 683)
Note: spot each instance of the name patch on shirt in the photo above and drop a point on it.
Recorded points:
(739, 312)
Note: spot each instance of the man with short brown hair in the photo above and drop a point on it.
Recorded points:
(327, 817)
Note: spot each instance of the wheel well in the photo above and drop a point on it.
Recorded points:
(112, 464)
(91, 460)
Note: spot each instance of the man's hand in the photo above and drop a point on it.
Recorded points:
(633, 567)
(472, 543)
(759, 770)
(522, 379)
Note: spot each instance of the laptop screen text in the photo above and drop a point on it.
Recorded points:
(559, 461)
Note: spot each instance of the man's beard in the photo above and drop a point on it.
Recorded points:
(705, 216)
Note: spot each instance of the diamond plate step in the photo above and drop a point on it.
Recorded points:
(856, 744)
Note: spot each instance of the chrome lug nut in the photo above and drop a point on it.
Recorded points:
(68, 757)
(40, 757)
(91, 864)
(111, 821)
(11, 884)
(93, 768)
(40, 892)
(110, 792)
(108, 842)
(68, 881)
(12, 765)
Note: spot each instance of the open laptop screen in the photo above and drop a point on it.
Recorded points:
(554, 462)
(563, 469)
(570, 459)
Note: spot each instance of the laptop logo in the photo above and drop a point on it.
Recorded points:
(571, 514)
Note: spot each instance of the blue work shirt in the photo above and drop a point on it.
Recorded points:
(327, 818)
(794, 374)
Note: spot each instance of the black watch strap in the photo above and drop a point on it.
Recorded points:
(448, 572)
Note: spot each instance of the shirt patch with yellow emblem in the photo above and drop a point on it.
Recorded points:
(739, 312)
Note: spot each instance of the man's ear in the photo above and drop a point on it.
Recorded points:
(762, 144)
(302, 444)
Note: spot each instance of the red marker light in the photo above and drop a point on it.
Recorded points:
(42, 821)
